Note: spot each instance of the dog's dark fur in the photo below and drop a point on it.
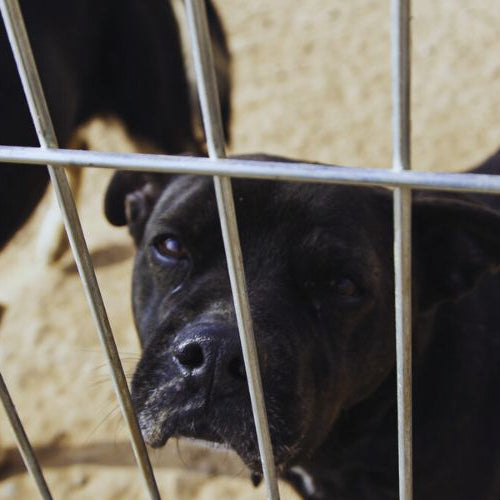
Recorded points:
(98, 57)
(319, 267)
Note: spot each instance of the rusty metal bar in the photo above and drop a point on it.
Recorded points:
(26, 66)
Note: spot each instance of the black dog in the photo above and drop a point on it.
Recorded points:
(319, 267)
(99, 57)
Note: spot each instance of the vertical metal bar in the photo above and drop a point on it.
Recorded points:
(24, 445)
(401, 84)
(23, 55)
(401, 91)
(207, 90)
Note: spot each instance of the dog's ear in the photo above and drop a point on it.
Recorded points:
(130, 199)
(456, 240)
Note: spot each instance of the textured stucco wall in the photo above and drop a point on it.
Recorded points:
(312, 79)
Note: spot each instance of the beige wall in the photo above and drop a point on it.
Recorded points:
(312, 79)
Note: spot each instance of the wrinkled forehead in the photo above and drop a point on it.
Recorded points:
(349, 212)
(304, 211)
(186, 201)
(185, 194)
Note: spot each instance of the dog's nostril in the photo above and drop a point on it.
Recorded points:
(190, 355)
(236, 368)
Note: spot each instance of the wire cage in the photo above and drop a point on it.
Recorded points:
(400, 178)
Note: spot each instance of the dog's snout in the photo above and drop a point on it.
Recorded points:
(211, 353)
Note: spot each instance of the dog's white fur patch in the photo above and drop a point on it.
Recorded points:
(307, 480)
(220, 310)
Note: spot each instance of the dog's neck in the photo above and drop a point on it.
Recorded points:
(359, 456)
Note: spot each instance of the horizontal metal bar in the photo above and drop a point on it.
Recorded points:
(214, 132)
(40, 115)
(251, 169)
(23, 443)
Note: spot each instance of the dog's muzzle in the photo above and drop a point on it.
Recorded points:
(176, 390)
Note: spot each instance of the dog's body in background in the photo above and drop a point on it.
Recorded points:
(319, 268)
(99, 58)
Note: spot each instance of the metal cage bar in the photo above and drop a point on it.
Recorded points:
(401, 94)
(21, 48)
(252, 169)
(212, 122)
(25, 448)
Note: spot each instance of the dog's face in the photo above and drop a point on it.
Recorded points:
(315, 280)
(319, 269)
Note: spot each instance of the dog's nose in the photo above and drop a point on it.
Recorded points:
(211, 353)
(190, 355)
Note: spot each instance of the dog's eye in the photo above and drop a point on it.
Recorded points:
(170, 247)
(344, 287)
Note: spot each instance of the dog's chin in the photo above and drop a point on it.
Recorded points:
(238, 435)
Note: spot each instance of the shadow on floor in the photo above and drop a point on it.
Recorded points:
(179, 455)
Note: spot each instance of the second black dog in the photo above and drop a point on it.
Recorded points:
(99, 57)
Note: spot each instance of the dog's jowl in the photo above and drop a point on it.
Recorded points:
(319, 266)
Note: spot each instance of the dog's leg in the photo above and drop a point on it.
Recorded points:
(52, 241)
